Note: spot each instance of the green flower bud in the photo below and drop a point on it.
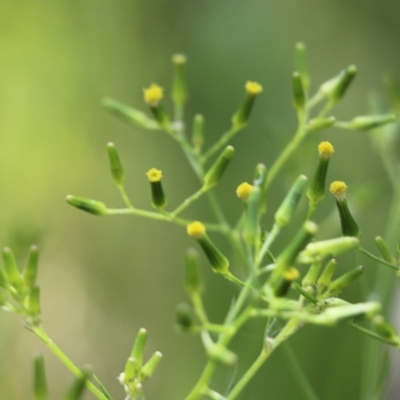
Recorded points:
(198, 129)
(385, 251)
(286, 209)
(31, 267)
(299, 97)
(367, 122)
(214, 174)
(301, 65)
(39, 378)
(382, 327)
(316, 190)
(128, 114)
(179, 89)
(34, 301)
(336, 87)
(335, 314)
(218, 261)
(311, 276)
(78, 386)
(3, 278)
(317, 124)
(138, 346)
(184, 316)
(91, 206)
(241, 117)
(252, 223)
(349, 225)
(131, 371)
(282, 286)
(341, 283)
(193, 283)
(159, 200)
(11, 269)
(325, 279)
(149, 368)
(116, 169)
(260, 180)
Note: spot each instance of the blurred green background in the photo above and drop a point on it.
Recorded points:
(104, 278)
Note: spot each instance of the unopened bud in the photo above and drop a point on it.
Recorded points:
(252, 223)
(198, 129)
(341, 283)
(326, 276)
(367, 122)
(39, 378)
(299, 97)
(193, 283)
(317, 124)
(214, 174)
(184, 316)
(311, 276)
(91, 206)
(31, 267)
(179, 90)
(76, 390)
(336, 87)
(301, 65)
(149, 368)
(11, 269)
(117, 171)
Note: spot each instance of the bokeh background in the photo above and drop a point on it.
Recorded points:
(104, 278)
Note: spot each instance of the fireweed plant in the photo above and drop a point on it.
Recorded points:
(296, 286)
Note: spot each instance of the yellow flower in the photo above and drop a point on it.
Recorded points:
(196, 229)
(243, 191)
(325, 149)
(154, 175)
(253, 88)
(338, 188)
(153, 94)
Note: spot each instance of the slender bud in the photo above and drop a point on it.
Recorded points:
(316, 190)
(241, 117)
(128, 114)
(34, 301)
(117, 171)
(131, 371)
(349, 225)
(214, 174)
(286, 209)
(385, 251)
(283, 285)
(91, 206)
(218, 261)
(301, 65)
(138, 346)
(243, 191)
(78, 386)
(311, 276)
(179, 90)
(252, 222)
(152, 96)
(39, 378)
(149, 368)
(184, 316)
(11, 269)
(393, 90)
(383, 327)
(198, 129)
(299, 97)
(326, 276)
(260, 180)
(341, 283)
(159, 200)
(3, 277)
(193, 282)
(336, 87)
(31, 267)
(318, 124)
(367, 122)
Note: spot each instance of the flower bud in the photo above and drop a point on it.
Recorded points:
(317, 124)
(184, 316)
(299, 97)
(252, 223)
(286, 209)
(316, 190)
(198, 129)
(179, 89)
(218, 261)
(385, 329)
(91, 206)
(385, 251)
(336, 87)
(325, 279)
(311, 276)
(301, 65)
(131, 371)
(78, 386)
(39, 379)
(193, 283)
(116, 169)
(159, 200)
(3, 278)
(138, 346)
(31, 267)
(34, 301)
(341, 283)
(153, 96)
(241, 117)
(214, 174)
(11, 269)
(367, 122)
(283, 285)
(349, 225)
(149, 368)
(260, 179)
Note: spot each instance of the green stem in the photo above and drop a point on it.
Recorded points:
(380, 260)
(42, 335)
(189, 201)
(373, 335)
(124, 196)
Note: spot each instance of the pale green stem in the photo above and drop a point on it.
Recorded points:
(373, 335)
(124, 196)
(189, 201)
(311, 210)
(318, 97)
(266, 245)
(42, 335)
(375, 258)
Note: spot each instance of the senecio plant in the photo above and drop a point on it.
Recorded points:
(295, 285)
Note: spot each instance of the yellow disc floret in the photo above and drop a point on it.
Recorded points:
(253, 88)
(291, 274)
(243, 191)
(153, 94)
(338, 188)
(196, 229)
(325, 149)
(154, 175)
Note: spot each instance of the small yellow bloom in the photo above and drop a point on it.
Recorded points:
(154, 175)
(196, 229)
(253, 88)
(153, 94)
(243, 191)
(325, 149)
(291, 274)
(338, 188)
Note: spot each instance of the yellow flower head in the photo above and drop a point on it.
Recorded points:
(253, 88)
(325, 149)
(196, 229)
(154, 175)
(243, 191)
(153, 94)
(291, 274)
(179, 59)
(338, 189)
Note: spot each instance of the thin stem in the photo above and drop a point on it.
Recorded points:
(315, 100)
(124, 196)
(373, 335)
(189, 201)
(380, 260)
